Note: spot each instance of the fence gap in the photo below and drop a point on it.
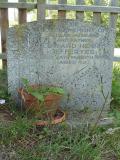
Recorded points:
(113, 16)
(41, 9)
(97, 15)
(62, 14)
(22, 14)
(80, 14)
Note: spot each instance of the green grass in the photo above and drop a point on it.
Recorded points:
(116, 85)
(14, 130)
(49, 144)
(3, 84)
(62, 144)
(57, 143)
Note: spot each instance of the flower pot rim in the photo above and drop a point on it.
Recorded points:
(22, 89)
(53, 122)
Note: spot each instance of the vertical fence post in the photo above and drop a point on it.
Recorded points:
(22, 14)
(113, 16)
(62, 14)
(113, 19)
(4, 29)
(97, 16)
(80, 14)
(41, 9)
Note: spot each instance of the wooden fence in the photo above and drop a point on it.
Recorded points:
(62, 7)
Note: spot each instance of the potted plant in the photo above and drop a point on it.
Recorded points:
(42, 100)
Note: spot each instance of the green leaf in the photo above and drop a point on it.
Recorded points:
(25, 81)
(38, 96)
(29, 89)
(56, 90)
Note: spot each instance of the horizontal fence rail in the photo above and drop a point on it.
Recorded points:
(116, 59)
(61, 7)
(92, 8)
(20, 5)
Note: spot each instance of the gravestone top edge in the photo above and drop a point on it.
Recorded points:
(42, 21)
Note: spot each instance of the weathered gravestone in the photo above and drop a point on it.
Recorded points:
(68, 53)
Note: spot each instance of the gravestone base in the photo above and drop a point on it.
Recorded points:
(86, 119)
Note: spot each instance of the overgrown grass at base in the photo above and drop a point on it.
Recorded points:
(52, 143)
(57, 143)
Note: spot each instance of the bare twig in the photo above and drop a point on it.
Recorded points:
(104, 104)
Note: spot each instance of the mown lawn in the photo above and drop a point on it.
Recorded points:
(20, 140)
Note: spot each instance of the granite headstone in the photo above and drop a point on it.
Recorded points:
(69, 53)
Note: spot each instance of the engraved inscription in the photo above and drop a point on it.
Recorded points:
(70, 47)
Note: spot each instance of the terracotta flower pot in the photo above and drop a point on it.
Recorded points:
(49, 107)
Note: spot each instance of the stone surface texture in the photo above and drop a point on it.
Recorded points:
(69, 53)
